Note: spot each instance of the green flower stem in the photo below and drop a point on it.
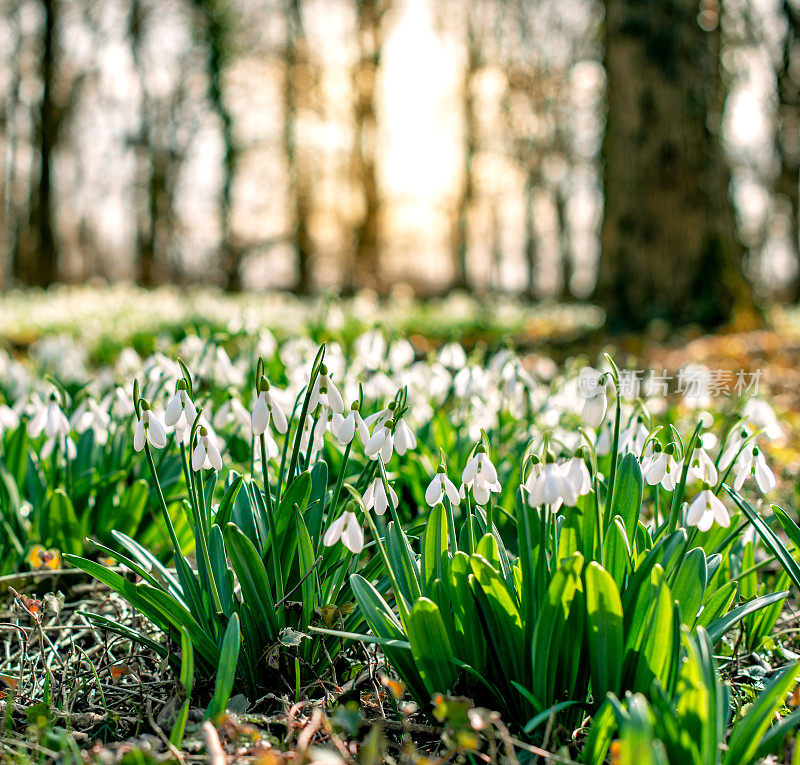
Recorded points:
(402, 606)
(612, 472)
(171, 529)
(276, 555)
(677, 496)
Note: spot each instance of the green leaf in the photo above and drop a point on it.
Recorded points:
(226, 504)
(628, 494)
(226, 672)
(720, 626)
(64, 530)
(768, 536)
(253, 579)
(430, 647)
(547, 648)
(305, 549)
(187, 680)
(689, 584)
(435, 547)
(604, 621)
(617, 551)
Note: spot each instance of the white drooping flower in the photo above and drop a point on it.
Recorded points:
(181, 412)
(9, 419)
(633, 438)
(149, 428)
(381, 442)
(440, 486)
(404, 438)
(702, 467)
(91, 416)
(733, 445)
(762, 416)
(375, 497)
(592, 386)
(578, 477)
(662, 467)
(266, 408)
(345, 427)
(753, 462)
(206, 454)
(234, 413)
(480, 475)
(50, 420)
(347, 530)
(547, 484)
(452, 356)
(66, 442)
(325, 392)
(706, 508)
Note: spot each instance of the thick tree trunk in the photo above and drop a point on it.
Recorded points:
(216, 26)
(669, 245)
(787, 183)
(296, 74)
(564, 254)
(36, 260)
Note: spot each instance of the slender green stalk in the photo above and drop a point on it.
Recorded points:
(276, 553)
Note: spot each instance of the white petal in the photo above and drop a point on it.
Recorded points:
(260, 419)
(452, 491)
(174, 411)
(433, 494)
(279, 418)
(594, 410)
(156, 433)
(719, 510)
(198, 456)
(214, 457)
(470, 470)
(138, 436)
(347, 428)
(334, 532)
(335, 398)
(353, 536)
(376, 442)
(696, 509)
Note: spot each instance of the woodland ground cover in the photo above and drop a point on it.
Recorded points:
(299, 531)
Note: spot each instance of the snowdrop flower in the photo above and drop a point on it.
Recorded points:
(662, 467)
(50, 444)
(480, 475)
(375, 497)
(206, 454)
(50, 420)
(149, 427)
(325, 392)
(404, 438)
(753, 462)
(706, 508)
(547, 484)
(381, 417)
(91, 416)
(266, 407)
(181, 412)
(345, 428)
(9, 419)
(233, 412)
(440, 486)
(346, 529)
(702, 467)
(592, 386)
(381, 442)
(452, 356)
(763, 417)
(734, 443)
(271, 446)
(633, 438)
(577, 476)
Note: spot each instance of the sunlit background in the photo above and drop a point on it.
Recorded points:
(410, 145)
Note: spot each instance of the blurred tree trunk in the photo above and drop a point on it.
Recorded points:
(787, 183)
(216, 27)
(564, 254)
(466, 194)
(370, 31)
(530, 248)
(36, 261)
(296, 79)
(669, 245)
